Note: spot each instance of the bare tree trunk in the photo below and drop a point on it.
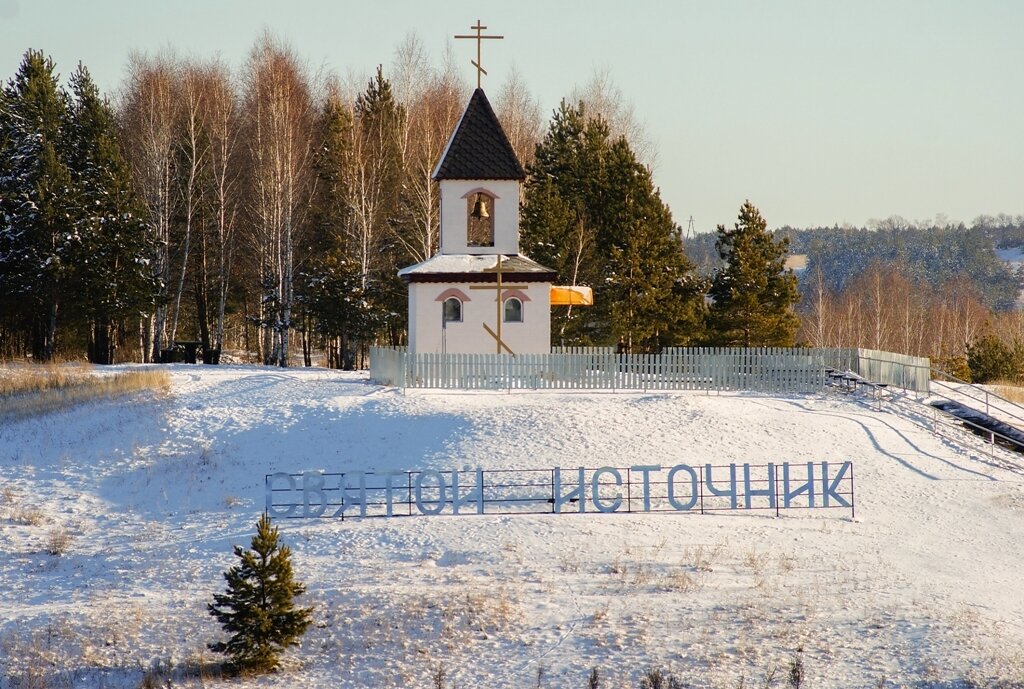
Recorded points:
(194, 152)
(520, 116)
(223, 127)
(280, 113)
(577, 262)
(148, 115)
(818, 310)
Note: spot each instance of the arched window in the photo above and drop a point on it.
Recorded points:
(452, 310)
(480, 219)
(513, 310)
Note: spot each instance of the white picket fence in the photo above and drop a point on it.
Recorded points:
(690, 368)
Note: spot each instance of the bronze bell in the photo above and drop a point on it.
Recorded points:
(480, 208)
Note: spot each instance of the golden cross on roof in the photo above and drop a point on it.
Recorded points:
(479, 38)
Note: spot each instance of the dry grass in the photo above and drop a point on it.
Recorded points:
(28, 378)
(29, 390)
(1009, 390)
(16, 512)
(25, 515)
(58, 541)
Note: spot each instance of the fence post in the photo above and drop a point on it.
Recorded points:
(629, 490)
(853, 503)
(775, 478)
(700, 488)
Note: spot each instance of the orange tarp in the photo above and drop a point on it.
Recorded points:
(572, 296)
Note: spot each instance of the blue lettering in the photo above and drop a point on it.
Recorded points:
(576, 494)
(682, 507)
(426, 506)
(730, 491)
(806, 487)
(348, 499)
(271, 510)
(829, 488)
(313, 486)
(595, 482)
(646, 470)
(750, 493)
(474, 495)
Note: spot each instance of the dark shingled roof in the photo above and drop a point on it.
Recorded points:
(479, 148)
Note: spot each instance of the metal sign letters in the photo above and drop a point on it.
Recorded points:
(639, 488)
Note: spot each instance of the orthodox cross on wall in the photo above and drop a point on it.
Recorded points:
(499, 289)
(479, 37)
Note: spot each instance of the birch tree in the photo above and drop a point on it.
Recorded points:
(817, 313)
(222, 120)
(601, 97)
(520, 115)
(148, 113)
(192, 152)
(279, 115)
(433, 114)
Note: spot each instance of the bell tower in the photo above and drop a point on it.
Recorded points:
(479, 178)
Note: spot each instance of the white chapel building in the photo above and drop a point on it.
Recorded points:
(479, 295)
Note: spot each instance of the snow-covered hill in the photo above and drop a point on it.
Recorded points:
(146, 497)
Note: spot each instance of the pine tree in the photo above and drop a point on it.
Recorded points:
(990, 359)
(592, 213)
(113, 279)
(655, 298)
(330, 286)
(754, 294)
(37, 202)
(258, 609)
(561, 217)
(378, 131)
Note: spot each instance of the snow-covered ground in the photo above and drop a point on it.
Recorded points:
(1011, 254)
(147, 496)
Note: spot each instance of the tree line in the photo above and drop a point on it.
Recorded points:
(925, 252)
(272, 203)
(267, 202)
(268, 210)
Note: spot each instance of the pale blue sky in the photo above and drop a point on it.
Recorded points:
(818, 111)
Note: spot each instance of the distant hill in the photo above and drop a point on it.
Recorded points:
(934, 255)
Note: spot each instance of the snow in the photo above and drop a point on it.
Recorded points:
(1013, 254)
(471, 263)
(453, 263)
(922, 587)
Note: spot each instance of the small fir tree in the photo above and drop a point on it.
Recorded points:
(989, 359)
(258, 609)
(754, 294)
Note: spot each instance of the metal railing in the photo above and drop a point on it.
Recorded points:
(949, 387)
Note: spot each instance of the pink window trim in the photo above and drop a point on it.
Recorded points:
(452, 292)
(518, 294)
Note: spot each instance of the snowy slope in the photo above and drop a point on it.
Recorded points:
(922, 587)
